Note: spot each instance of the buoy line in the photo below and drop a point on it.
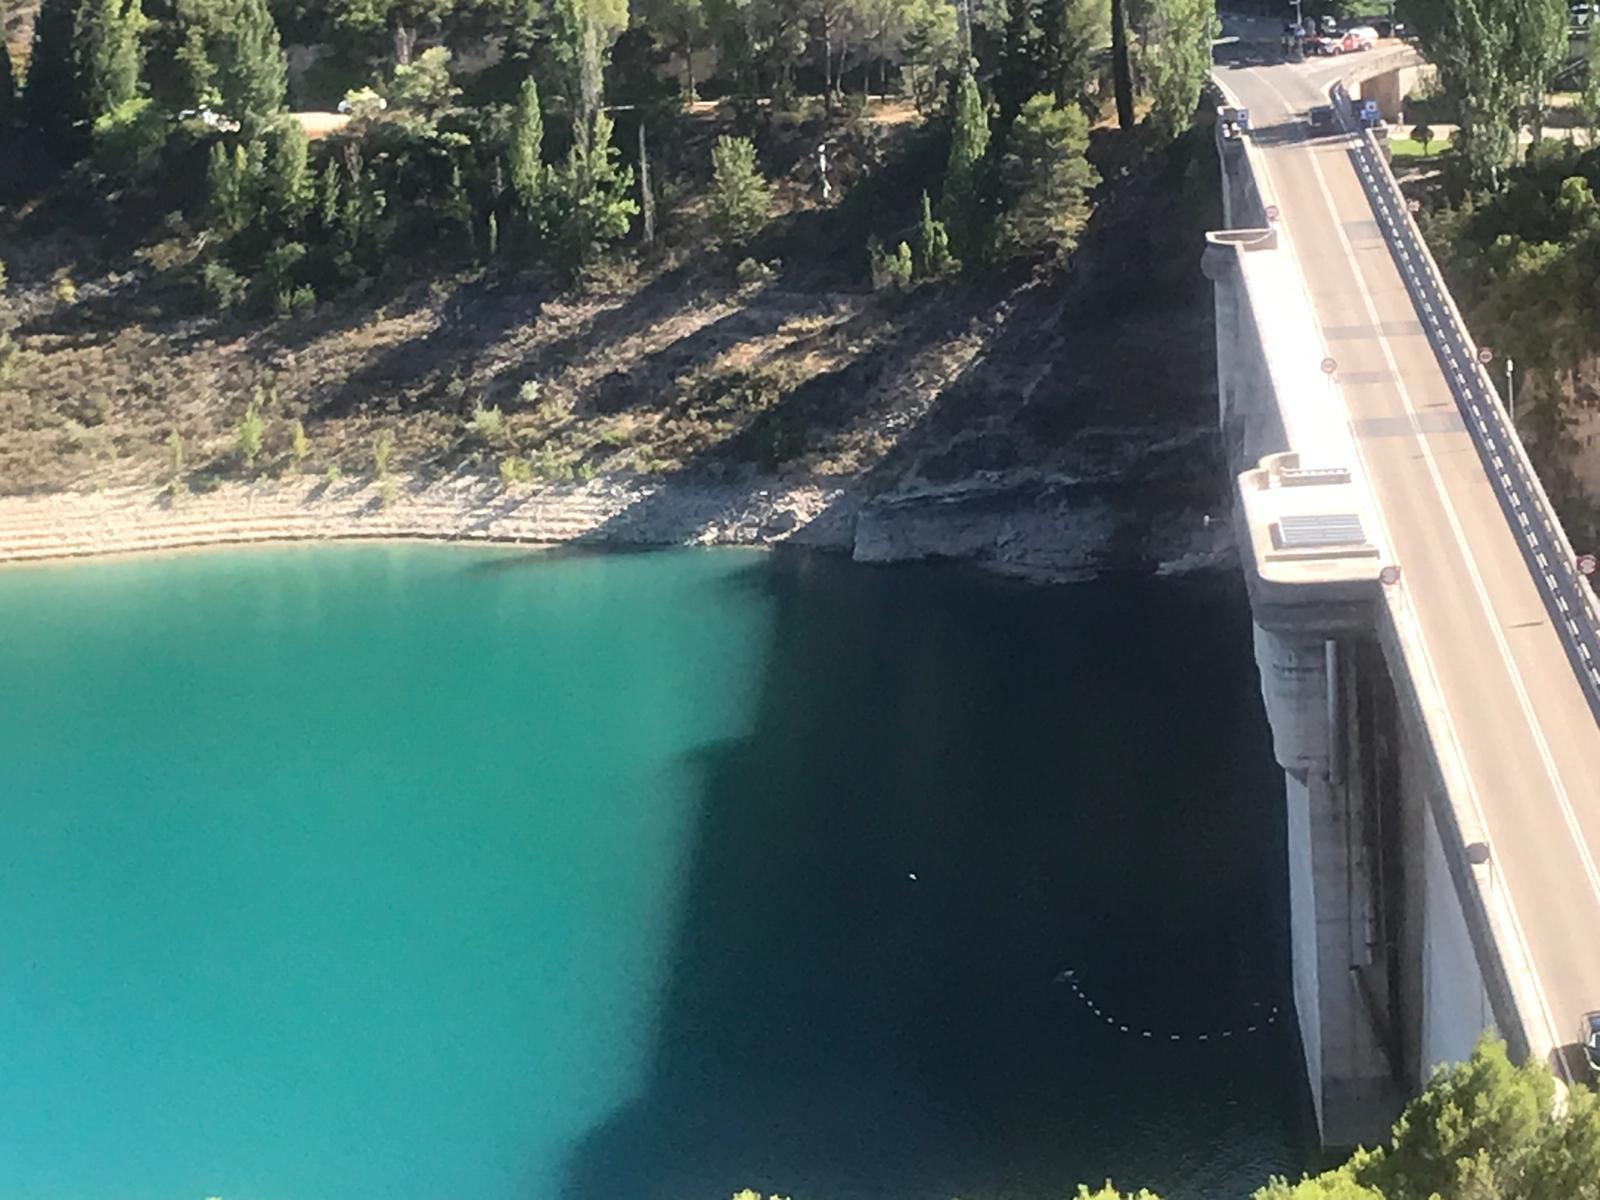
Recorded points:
(1070, 978)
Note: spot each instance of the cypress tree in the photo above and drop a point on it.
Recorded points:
(227, 179)
(8, 80)
(286, 180)
(108, 47)
(230, 53)
(969, 142)
(933, 257)
(53, 102)
(527, 142)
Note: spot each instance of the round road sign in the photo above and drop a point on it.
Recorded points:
(1389, 576)
(1272, 212)
(1485, 355)
(1329, 366)
(1586, 564)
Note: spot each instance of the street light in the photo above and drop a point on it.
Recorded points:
(1511, 391)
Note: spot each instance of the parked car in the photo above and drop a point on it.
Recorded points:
(1589, 1039)
(1362, 37)
(1322, 45)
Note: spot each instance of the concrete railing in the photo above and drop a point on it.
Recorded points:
(1567, 593)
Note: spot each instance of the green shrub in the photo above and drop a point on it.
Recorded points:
(128, 140)
(488, 425)
(890, 271)
(750, 271)
(251, 433)
(298, 445)
(222, 286)
(515, 470)
(65, 290)
(382, 452)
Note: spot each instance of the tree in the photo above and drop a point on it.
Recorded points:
(109, 53)
(740, 197)
(285, 177)
(1176, 60)
(251, 431)
(1422, 134)
(930, 50)
(229, 189)
(681, 28)
(527, 148)
(1047, 175)
(933, 259)
(230, 59)
(969, 142)
(1494, 58)
(53, 102)
(8, 80)
(593, 208)
(1121, 68)
(401, 20)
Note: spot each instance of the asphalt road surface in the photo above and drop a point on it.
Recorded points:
(1529, 738)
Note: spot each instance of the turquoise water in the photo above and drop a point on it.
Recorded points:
(415, 872)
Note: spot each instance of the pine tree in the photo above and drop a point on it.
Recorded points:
(1047, 175)
(740, 197)
(969, 142)
(53, 102)
(933, 257)
(527, 146)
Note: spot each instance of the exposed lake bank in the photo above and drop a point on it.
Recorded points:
(1050, 527)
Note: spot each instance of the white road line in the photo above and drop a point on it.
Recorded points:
(1428, 660)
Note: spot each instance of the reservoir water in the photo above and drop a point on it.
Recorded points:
(426, 873)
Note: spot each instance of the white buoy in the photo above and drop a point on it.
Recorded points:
(912, 876)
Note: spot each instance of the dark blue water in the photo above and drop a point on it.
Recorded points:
(421, 872)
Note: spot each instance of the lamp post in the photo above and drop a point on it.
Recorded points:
(1511, 392)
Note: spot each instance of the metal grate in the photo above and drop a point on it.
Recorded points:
(1323, 529)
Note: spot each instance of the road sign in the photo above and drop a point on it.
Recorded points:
(1414, 205)
(1389, 576)
(1329, 366)
(1485, 355)
(1586, 564)
(1272, 212)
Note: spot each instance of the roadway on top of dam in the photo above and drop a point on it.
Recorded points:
(1528, 738)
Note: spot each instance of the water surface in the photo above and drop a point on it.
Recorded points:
(422, 872)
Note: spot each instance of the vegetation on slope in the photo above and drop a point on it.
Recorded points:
(503, 253)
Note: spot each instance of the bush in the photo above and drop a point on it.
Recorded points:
(890, 271)
(382, 452)
(222, 286)
(515, 470)
(298, 445)
(488, 425)
(65, 290)
(749, 271)
(251, 434)
(129, 139)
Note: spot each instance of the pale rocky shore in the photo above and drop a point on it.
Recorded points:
(1041, 527)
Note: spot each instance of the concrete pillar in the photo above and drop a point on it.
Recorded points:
(1305, 683)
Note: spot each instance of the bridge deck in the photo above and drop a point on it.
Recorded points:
(1529, 739)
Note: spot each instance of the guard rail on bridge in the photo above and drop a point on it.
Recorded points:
(1567, 593)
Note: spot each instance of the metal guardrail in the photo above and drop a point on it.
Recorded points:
(1568, 595)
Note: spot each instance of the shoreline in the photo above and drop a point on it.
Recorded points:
(1042, 528)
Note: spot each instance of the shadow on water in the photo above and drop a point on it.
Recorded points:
(952, 789)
